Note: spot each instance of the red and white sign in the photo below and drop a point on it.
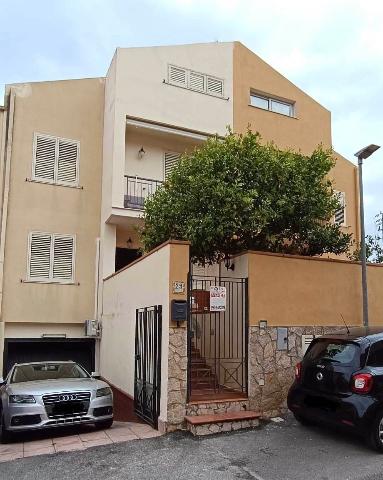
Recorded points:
(217, 299)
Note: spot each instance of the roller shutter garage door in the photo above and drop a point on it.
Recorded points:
(80, 350)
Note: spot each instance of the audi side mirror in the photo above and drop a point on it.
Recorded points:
(95, 375)
(2, 381)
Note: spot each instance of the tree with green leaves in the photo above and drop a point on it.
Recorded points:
(234, 194)
(374, 244)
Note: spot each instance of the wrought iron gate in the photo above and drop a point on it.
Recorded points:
(147, 372)
(217, 340)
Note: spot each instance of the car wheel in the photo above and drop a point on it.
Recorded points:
(105, 424)
(375, 437)
(303, 420)
(5, 434)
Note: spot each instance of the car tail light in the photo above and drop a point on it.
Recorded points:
(362, 382)
(298, 370)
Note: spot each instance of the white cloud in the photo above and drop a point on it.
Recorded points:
(332, 49)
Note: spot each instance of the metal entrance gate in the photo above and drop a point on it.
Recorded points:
(147, 372)
(217, 340)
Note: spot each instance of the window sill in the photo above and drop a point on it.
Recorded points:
(58, 184)
(275, 113)
(54, 282)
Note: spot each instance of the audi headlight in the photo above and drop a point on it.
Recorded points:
(103, 392)
(22, 399)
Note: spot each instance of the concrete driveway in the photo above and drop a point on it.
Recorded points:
(278, 451)
(71, 439)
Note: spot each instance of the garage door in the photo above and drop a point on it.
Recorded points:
(79, 350)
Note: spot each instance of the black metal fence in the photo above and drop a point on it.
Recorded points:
(217, 340)
(147, 373)
(138, 189)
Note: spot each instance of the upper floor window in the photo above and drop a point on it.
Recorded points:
(55, 160)
(200, 82)
(170, 161)
(51, 257)
(340, 213)
(272, 104)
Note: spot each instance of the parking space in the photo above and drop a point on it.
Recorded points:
(55, 441)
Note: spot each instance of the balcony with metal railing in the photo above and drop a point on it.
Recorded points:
(137, 190)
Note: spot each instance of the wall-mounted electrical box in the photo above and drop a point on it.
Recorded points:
(179, 310)
(282, 338)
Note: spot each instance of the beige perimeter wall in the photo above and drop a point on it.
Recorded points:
(287, 290)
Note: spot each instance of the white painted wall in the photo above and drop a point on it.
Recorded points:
(143, 284)
(135, 87)
(151, 165)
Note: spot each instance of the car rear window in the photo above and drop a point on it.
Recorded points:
(332, 350)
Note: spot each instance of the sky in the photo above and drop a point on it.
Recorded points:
(332, 49)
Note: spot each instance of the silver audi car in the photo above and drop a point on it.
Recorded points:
(50, 394)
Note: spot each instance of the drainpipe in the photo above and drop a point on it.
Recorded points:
(5, 161)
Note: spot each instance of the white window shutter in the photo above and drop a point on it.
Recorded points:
(171, 159)
(197, 81)
(67, 161)
(63, 257)
(340, 213)
(177, 75)
(40, 255)
(44, 158)
(215, 86)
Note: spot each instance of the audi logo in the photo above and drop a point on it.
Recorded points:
(66, 398)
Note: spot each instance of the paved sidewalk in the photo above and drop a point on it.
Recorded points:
(75, 439)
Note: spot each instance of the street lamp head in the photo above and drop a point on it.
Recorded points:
(366, 151)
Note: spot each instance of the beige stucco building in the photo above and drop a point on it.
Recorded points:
(78, 157)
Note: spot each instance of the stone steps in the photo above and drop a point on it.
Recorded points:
(221, 422)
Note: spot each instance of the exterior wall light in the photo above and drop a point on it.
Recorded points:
(141, 153)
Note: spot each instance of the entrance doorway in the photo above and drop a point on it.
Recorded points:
(217, 338)
(147, 372)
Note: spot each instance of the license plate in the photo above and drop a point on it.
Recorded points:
(67, 408)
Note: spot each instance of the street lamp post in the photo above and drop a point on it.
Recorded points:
(361, 155)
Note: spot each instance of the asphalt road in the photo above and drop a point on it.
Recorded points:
(283, 451)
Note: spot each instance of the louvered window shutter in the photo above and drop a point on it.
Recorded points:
(215, 86)
(178, 75)
(45, 158)
(197, 81)
(67, 161)
(63, 253)
(40, 255)
(340, 214)
(171, 160)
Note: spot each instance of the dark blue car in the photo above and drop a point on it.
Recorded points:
(340, 382)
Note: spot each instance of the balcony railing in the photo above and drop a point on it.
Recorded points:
(138, 189)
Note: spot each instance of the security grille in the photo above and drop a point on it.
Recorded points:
(147, 372)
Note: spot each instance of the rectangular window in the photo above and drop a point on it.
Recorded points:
(51, 257)
(55, 160)
(199, 82)
(271, 104)
(170, 161)
(340, 213)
